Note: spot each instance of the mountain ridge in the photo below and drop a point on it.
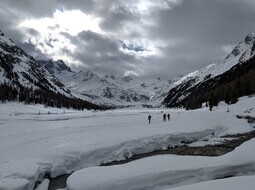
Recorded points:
(112, 90)
(186, 88)
(23, 79)
(20, 70)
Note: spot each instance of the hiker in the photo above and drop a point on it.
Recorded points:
(164, 117)
(149, 118)
(168, 116)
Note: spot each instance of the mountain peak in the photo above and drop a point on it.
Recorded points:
(83, 76)
(110, 76)
(250, 38)
(54, 66)
(113, 77)
(89, 73)
(62, 65)
(127, 78)
(60, 62)
(240, 49)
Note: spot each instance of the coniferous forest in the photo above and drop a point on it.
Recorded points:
(237, 82)
(47, 98)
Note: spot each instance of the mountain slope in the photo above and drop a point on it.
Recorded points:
(20, 69)
(22, 78)
(119, 91)
(200, 83)
(109, 89)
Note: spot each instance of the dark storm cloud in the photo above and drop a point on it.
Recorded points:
(32, 32)
(203, 27)
(32, 50)
(8, 24)
(210, 21)
(100, 53)
(187, 35)
(118, 16)
(182, 61)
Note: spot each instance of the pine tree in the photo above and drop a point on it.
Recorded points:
(211, 101)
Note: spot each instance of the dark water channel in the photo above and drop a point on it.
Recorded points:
(208, 150)
(58, 182)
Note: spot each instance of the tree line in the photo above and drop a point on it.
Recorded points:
(47, 98)
(243, 84)
(12, 90)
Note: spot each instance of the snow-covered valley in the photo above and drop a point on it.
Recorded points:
(35, 140)
(127, 95)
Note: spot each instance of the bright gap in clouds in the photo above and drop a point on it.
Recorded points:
(73, 22)
(53, 37)
(50, 40)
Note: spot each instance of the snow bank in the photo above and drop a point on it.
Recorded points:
(245, 106)
(167, 170)
(18, 174)
(235, 183)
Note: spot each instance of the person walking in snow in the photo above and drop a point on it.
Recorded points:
(149, 118)
(164, 117)
(168, 116)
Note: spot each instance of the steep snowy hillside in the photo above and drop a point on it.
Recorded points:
(239, 60)
(19, 69)
(110, 89)
(23, 79)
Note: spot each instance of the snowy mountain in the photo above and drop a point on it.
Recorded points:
(54, 67)
(236, 64)
(109, 89)
(22, 78)
(19, 69)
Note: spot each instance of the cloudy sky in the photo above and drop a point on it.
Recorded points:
(164, 38)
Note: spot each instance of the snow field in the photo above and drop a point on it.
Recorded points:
(235, 183)
(35, 140)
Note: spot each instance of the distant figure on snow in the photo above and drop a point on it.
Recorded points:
(164, 117)
(168, 116)
(149, 118)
